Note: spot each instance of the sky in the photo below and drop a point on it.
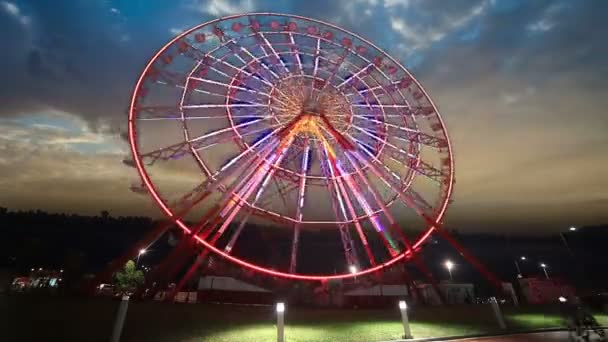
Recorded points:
(520, 84)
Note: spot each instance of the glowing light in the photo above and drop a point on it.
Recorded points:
(543, 265)
(402, 305)
(352, 269)
(32, 270)
(562, 299)
(572, 229)
(142, 251)
(40, 269)
(523, 258)
(449, 265)
(280, 307)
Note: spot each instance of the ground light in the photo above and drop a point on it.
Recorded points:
(406, 323)
(280, 322)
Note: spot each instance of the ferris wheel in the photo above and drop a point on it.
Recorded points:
(289, 128)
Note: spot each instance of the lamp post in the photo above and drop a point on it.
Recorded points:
(404, 319)
(141, 252)
(449, 265)
(519, 274)
(565, 241)
(544, 267)
(280, 322)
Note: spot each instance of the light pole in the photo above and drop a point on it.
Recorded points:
(405, 320)
(449, 265)
(519, 274)
(563, 237)
(141, 252)
(280, 322)
(544, 267)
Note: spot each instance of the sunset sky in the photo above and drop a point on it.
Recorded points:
(522, 87)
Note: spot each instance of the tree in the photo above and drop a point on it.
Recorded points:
(127, 280)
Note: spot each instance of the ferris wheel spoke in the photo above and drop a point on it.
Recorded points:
(378, 199)
(229, 86)
(295, 52)
(349, 205)
(373, 218)
(407, 134)
(355, 75)
(259, 60)
(274, 52)
(316, 65)
(299, 206)
(242, 69)
(338, 207)
(409, 160)
(410, 198)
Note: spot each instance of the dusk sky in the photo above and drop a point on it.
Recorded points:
(520, 84)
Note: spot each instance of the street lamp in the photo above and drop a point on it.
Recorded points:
(352, 269)
(141, 252)
(544, 267)
(280, 322)
(449, 265)
(572, 229)
(405, 320)
(523, 258)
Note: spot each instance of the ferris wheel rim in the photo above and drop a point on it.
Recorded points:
(132, 132)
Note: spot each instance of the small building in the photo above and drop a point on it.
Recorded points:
(378, 295)
(454, 293)
(230, 290)
(543, 291)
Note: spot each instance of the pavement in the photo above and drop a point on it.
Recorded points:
(547, 336)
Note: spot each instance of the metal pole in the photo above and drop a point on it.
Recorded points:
(405, 320)
(450, 272)
(120, 319)
(498, 313)
(518, 269)
(566, 244)
(546, 274)
(280, 322)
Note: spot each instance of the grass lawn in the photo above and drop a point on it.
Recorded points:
(27, 318)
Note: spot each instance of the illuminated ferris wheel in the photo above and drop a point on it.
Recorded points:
(293, 127)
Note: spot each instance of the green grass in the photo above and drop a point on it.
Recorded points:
(30, 318)
(535, 321)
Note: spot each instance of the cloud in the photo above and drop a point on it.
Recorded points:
(419, 36)
(525, 110)
(14, 11)
(224, 7)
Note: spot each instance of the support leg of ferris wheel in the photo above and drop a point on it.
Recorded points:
(231, 202)
(438, 227)
(180, 254)
(202, 192)
(203, 254)
(418, 262)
